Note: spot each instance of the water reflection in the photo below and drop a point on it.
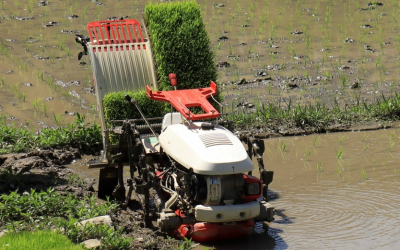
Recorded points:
(329, 200)
(270, 239)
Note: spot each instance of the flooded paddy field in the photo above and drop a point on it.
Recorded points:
(304, 51)
(330, 191)
(333, 191)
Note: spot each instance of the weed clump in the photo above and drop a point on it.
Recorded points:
(45, 211)
(81, 135)
(319, 117)
(44, 240)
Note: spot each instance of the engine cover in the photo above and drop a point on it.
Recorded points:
(209, 152)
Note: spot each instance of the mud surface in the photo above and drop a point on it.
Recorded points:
(267, 51)
(327, 188)
(37, 169)
(331, 191)
(45, 169)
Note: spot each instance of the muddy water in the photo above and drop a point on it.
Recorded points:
(328, 200)
(310, 50)
(330, 191)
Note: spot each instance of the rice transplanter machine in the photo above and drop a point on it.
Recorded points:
(194, 176)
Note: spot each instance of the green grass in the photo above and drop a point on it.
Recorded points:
(82, 135)
(44, 240)
(180, 44)
(363, 174)
(30, 210)
(48, 210)
(320, 116)
(44, 211)
(116, 107)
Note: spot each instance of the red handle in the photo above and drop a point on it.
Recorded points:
(172, 78)
(186, 98)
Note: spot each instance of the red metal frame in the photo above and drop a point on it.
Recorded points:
(115, 32)
(206, 231)
(183, 99)
(252, 179)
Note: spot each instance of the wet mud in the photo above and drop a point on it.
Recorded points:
(269, 52)
(331, 191)
(45, 169)
(37, 169)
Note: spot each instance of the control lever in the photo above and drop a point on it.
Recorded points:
(172, 78)
(83, 41)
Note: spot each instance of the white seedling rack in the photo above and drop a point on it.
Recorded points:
(121, 60)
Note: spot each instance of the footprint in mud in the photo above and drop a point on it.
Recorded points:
(32, 40)
(43, 3)
(53, 23)
(42, 57)
(64, 31)
(223, 64)
(365, 26)
(343, 67)
(296, 32)
(25, 18)
(219, 5)
(349, 40)
(261, 73)
(89, 90)
(113, 18)
(222, 38)
(72, 17)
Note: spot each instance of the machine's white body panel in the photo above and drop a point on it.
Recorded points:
(171, 118)
(227, 213)
(207, 152)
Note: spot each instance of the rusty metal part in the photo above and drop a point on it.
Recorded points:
(267, 212)
(108, 179)
(256, 147)
(168, 220)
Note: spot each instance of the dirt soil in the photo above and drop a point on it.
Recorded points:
(43, 169)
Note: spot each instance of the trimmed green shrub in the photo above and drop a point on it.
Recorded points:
(180, 44)
(116, 107)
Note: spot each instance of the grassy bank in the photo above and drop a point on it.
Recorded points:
(50, 211)
(47, 210)
(317, 118)
(44, 240)
(82, 135)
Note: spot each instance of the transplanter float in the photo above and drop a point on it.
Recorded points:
(194, 177)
